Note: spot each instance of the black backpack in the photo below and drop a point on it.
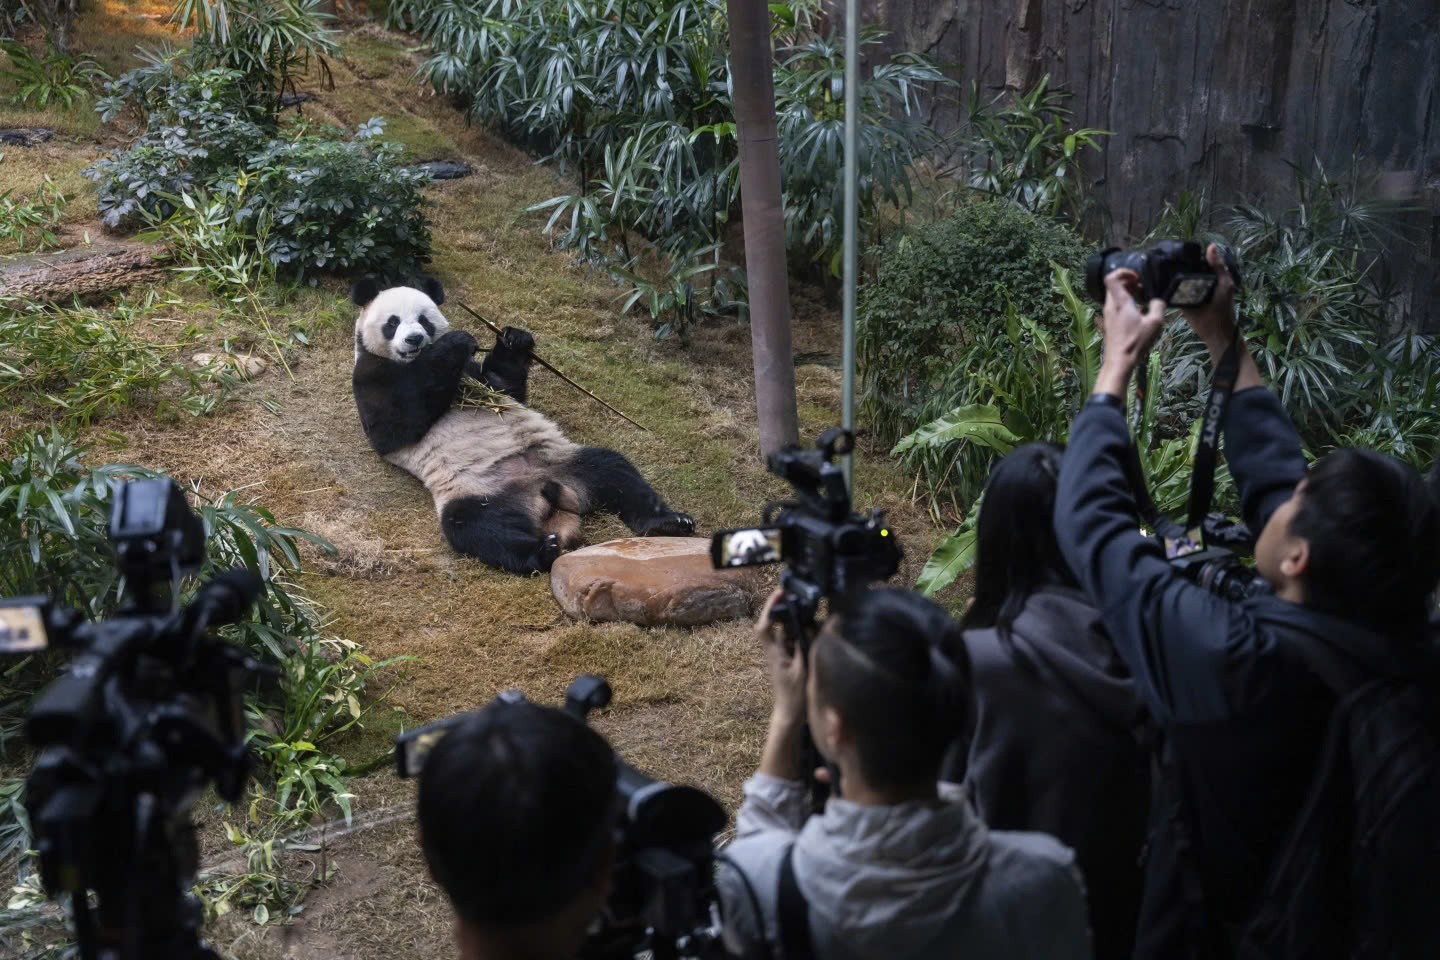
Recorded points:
(1359, 874)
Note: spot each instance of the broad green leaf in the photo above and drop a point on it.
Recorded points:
(954, 555)
(978, 423)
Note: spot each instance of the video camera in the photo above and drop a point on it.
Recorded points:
(663, 900)
(149, 710)
(830, 551)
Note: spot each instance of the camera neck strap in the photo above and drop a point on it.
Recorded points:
(793, 913)
(1202, 478)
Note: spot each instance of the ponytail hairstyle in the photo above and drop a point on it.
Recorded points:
(1017, 552)
(893, 665)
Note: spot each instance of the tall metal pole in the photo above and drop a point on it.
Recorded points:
(852, 213)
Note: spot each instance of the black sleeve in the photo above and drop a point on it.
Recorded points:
(1264, 454)
(1182, 643)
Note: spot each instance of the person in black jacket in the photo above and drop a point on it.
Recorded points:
(1055, 746)
(1351, 549)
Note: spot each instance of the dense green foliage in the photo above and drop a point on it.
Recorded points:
(941, 301)
(635, 97)
(307, 199)
(30, 222)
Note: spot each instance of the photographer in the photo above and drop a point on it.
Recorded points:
(1243, 692)
(888, 869)
(1055, 747)
(517, 813)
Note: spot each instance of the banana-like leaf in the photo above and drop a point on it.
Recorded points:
(979, 423)
(954, 555)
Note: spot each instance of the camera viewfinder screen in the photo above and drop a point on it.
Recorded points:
(22, 630)
(749, 548)
(416, 748)
(1192, 290)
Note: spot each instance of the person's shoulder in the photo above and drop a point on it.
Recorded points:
(1032, 865)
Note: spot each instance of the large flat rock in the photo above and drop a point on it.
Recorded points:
(652, 581)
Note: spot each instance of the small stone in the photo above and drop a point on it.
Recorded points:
(295, 99)
(445, 169)
(652, 581)
(247, 367)
(25, 136)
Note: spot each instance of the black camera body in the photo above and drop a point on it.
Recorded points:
(1218, 567)
(1176, 271)
(149, 710)
(662, 900)
(829, 550)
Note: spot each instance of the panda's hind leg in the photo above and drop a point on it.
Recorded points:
(499, 530)
(604, 480)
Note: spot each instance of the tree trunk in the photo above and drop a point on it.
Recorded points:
(81, 272)
(751, 69)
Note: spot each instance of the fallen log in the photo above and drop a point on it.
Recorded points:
(78, 272)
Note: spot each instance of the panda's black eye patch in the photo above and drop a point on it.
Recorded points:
(388, 331)
(429, 327)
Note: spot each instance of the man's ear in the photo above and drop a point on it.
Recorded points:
(832, 734)
(363, 290)
(432, 289)
(1295, 561)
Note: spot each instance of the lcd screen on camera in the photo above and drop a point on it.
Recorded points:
(22, 630)
(1192, 290)
(414, 748)
(749, 548)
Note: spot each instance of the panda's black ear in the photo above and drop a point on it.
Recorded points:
(363, 290)
(432, 288)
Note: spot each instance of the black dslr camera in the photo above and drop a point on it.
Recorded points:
(662, 900)
(148, 712)
(829, 550)
(1176, 271)
(1218, 567)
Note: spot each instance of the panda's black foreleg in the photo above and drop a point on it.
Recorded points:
(499, 531)
(605, 480)
(507, 367)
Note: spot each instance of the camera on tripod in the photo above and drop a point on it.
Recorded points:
(829, 550)
(149, 710)
(662, 900)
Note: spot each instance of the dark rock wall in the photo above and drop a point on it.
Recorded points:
(1217, 95)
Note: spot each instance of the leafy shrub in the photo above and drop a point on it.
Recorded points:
(83, 364)
(50, 77)
(323, 203)
(201, 129)
(944, 291)
(30, 222)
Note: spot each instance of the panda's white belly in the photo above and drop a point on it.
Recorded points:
(477, 452)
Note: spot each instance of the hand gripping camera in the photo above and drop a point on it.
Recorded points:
(1176, 271)
(662, 900)
(149, 710)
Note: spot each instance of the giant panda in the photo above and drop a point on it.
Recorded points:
(509, 487)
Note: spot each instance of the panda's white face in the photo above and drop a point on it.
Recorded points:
(398, 324)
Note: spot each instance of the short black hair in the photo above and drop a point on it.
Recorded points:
(1374, 532)
(893, 664)
(517, 812)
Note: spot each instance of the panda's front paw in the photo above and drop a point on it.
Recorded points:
(518, 341)
(547, 553)
(668, 524)
(461, 341)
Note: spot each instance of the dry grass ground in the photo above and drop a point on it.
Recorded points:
(690, 704)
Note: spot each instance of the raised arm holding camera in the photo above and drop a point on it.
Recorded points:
(888, 868)
(1278, 828)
